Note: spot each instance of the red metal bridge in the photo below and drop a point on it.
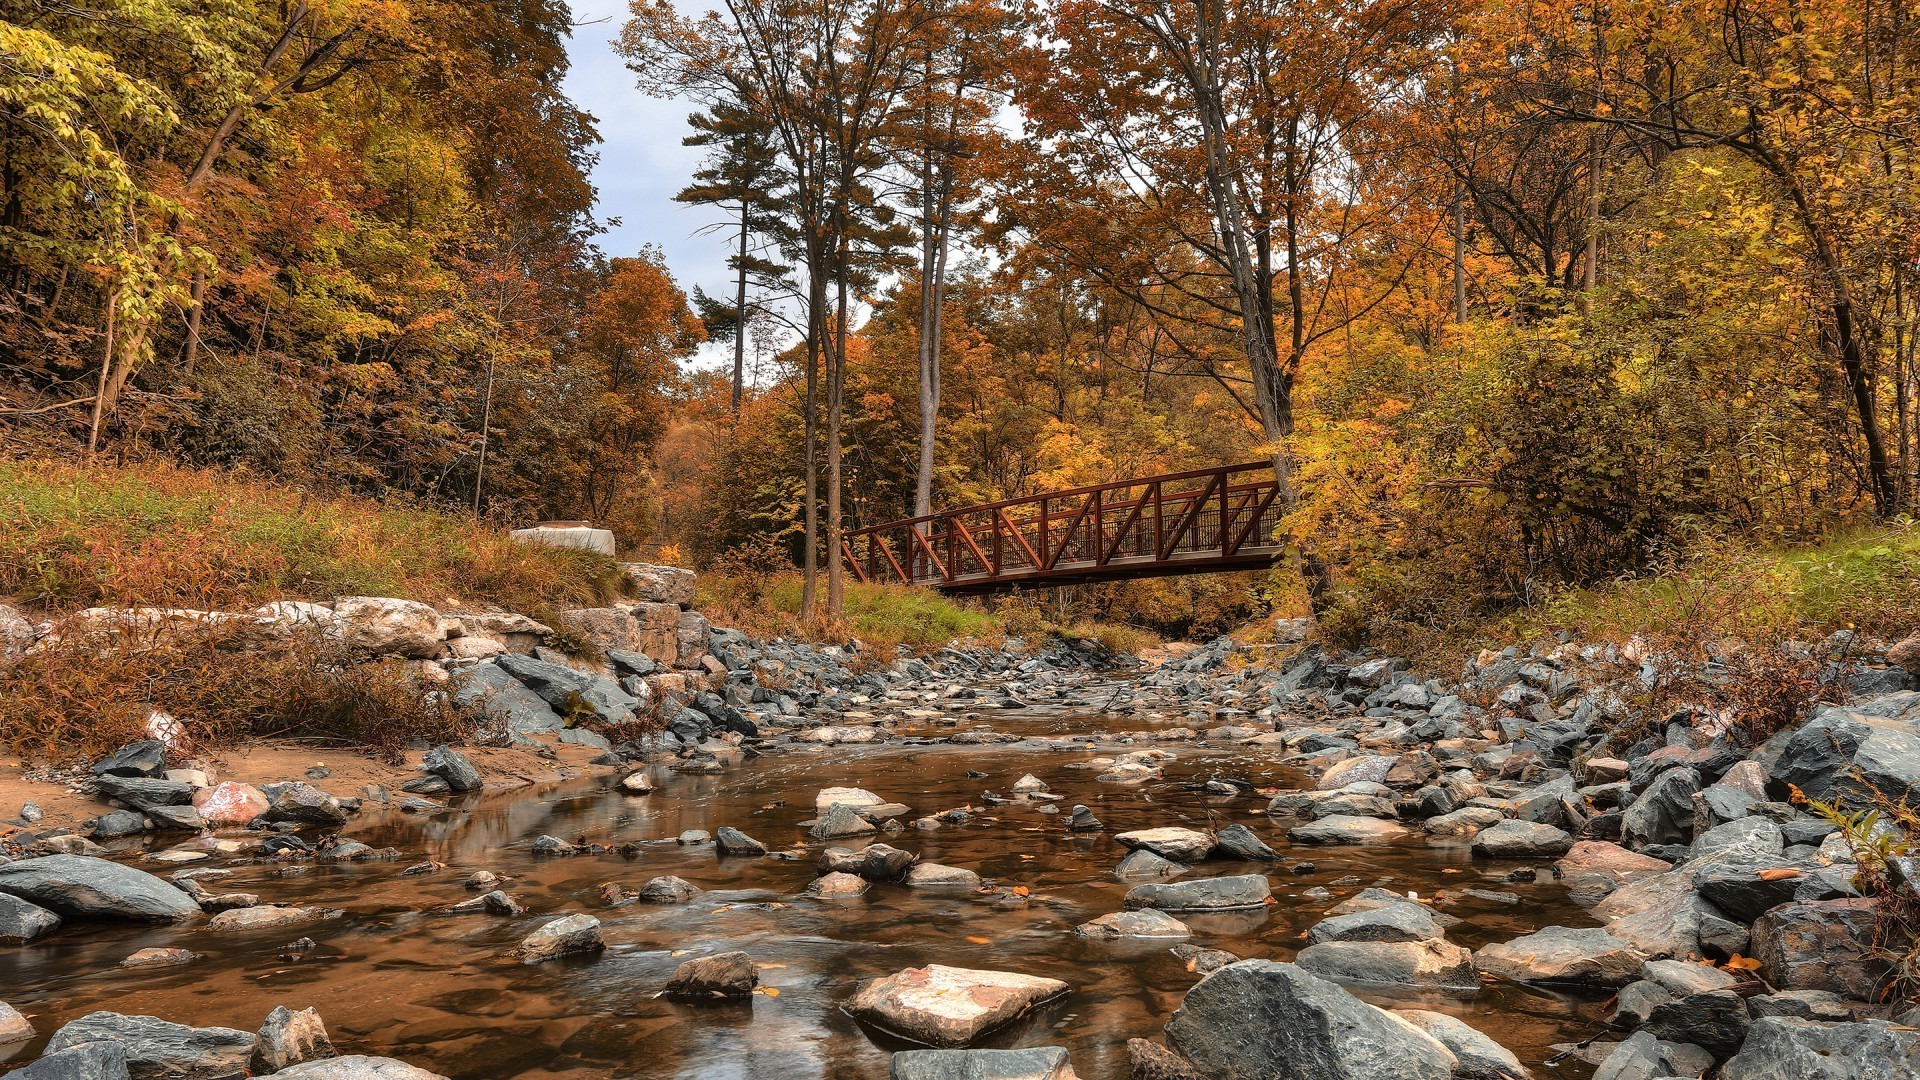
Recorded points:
(1198, 522)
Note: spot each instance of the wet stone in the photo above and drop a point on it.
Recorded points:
(289, 1038)
(1557, 954)
(1143, 864)
(565, 936)
(1206, 894)
(1239, 842)
(950, 1007)
(728, 974)
(668, 889)
(158, 1048)
(1032, 1063)
(731, 841)
(1145, 923)
(1174, 844)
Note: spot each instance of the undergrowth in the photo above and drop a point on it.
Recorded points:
(75, 536)
(82, 697)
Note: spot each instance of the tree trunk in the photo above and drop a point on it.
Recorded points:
(836, 393)
(740, 316)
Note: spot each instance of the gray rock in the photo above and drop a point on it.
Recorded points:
(113, 825)
(1784, 1048)
(1205, 894)
(453, 767)
(177, 818)
(158, 1049)
(357, 1067)
(94, 1061)
(934, 875)
(1556, 954)
(1715, 1021)
(289, 1038)
(80, 886)
(493, 691)
(145, 758)
(1239, 842)
(569, 691)
(950, 1007)
(1800, 1004)
(21, 922)
(1257, 1020)
(1145, 923)
(1402, 920)
(1522, 839)
(875, 862)
(144, 793)
(1144, 864)
(731, 841)
(1818, 945)
(840, 820)
(567, 935)
(302, 804)
(668, 889)
(1347, 829)
(1478, 1057)
(727, 974)
(1642, 1057)
(1850, 757)
(1663, 814)
(1432, 963)
(1032, 1063)
(15, 1028)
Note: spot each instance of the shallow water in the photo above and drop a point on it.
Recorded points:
(437, 990)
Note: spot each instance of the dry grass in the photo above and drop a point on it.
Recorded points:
(74, 536)
(82, 697)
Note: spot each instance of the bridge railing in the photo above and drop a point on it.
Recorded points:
(1224, 513)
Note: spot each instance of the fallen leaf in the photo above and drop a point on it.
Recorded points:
(770, 991)
(1742, 963)
(980, 940)
(1778, 873)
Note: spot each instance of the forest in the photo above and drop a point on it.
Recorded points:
(1517, 295)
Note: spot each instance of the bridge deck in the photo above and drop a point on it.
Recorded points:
(1200, 522)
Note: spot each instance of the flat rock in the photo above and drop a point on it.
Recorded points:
(845, 796)
(1204, 894)
(1145, 923)
(358, 1067)
(1346, 829)
(1593, 869)
(1556, 954)
(1522, 840)
(1145, 865)
(1401, 920)
(1259, 1020)
(94, 1061)
(156, 1048)
(934, 875)
(81, 886)
(1431, 963)
(1032, 1063)
(948, 1006)
(271, 915)
(1173, 844)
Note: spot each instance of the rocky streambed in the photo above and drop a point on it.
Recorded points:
(1317, 867)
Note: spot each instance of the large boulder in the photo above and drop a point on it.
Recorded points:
(1850, 757)
(82, 886)
(1400, 920)
(1477, 1056)
(1821, 945)
(1370, 768)
(947, 1006)
(230, 803)
(144, 758)
(569, 691)
(1258, 1020)
(21, 922)
(1556, 954)
(1789, 1048)
(159, 1050)
(660, 584)
(382, 625)
(1594, 869)
(94, 1061)
(452, 766)
(495, 692)
(144, 793)
(567, 534)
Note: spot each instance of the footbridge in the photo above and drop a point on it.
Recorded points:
(1198, 522)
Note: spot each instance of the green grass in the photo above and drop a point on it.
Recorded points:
(1866, 580)
(73, 536)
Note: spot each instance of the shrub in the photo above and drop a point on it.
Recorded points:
(74, 536)
(84, 696)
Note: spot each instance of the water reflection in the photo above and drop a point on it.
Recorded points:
(391, 977)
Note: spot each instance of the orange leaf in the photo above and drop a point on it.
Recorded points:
(1778, 873)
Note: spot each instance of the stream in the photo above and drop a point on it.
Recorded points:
(393, 977)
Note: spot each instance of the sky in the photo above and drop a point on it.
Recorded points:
(641, 160)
